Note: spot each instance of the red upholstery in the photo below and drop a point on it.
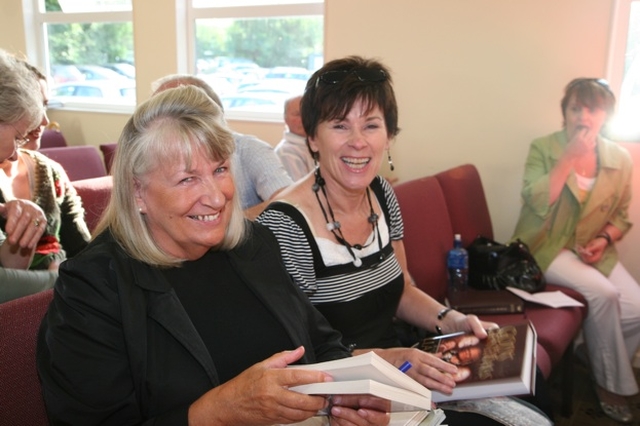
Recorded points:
(427, 226)
(464, 195)
(80, 162)
(108, 152)
(20, 392)
(95, 193)
(52, 138)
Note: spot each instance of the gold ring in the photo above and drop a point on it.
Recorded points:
(36, 222)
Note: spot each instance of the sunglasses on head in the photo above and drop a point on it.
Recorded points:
(363, 74)
(600, 81)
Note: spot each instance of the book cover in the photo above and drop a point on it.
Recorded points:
(485, 302)
(368, 373)
(500, 365)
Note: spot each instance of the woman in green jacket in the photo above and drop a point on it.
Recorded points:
(576, 194)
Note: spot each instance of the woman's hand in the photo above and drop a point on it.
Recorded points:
(359, 410)
(427, 369)
(260, 396)
(581, 142)
(592, 252)
(26, 223)
(470, 323)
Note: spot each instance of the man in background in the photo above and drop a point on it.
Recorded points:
(292, 149)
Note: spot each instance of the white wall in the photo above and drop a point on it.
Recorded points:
(476, 80)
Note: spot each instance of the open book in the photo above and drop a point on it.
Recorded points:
(502, 364)
(368, 374)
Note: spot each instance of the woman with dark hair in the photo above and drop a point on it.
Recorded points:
(340, 229)
(576, 194)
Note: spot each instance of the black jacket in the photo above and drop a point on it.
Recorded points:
(117, 348)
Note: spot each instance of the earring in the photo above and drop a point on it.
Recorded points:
(391, 167)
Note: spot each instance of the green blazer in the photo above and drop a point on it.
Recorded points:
(547, 229)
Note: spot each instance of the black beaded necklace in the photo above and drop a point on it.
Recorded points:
(334, 226)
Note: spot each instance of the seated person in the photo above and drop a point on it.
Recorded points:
(340, 229)
(23, 222)
(174, 312)
(292, 150)
(30, 175)
(258, 173)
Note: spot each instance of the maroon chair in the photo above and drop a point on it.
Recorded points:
(52, 138)
(427, 233)
(108, 152)
(95, 193)
(21, 401)
(80, 162)
(465, 198)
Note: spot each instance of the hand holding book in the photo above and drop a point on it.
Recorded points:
(502, 364)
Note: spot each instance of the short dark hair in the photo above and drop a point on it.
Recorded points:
(324, 101)
(590, 92)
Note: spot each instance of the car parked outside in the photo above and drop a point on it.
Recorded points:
(297, 73)
(96, 72)
(254, 102)
(123, 68)
(105, 89)
(65, 73)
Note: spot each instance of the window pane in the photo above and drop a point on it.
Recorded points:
(77, 6)
(626, 124)
(255, 64)
(232, 3)
(92, 59)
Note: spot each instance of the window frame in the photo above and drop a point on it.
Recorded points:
(618, 44)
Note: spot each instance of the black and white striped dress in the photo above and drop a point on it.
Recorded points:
(358, 301)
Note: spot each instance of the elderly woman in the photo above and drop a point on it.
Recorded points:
(30, 175)
(340, 229)
(576, 194)
(179, 311)
(22, 222)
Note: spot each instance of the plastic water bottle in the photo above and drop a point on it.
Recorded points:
(458, 266)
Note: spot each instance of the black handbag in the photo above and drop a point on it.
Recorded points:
(495, 266)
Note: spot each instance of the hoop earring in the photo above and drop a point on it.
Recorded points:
(391, 166)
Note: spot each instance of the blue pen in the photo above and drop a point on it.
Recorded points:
(405, 366)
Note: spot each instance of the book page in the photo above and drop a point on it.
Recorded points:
(553, 299)
(367, 366)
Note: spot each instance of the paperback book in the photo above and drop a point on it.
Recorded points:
(368, 374)
(502, 364)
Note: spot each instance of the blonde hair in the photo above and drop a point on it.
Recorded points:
(173, 124)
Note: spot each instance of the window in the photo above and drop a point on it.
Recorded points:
(256, 53)
(86, 47)
(624, 70)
